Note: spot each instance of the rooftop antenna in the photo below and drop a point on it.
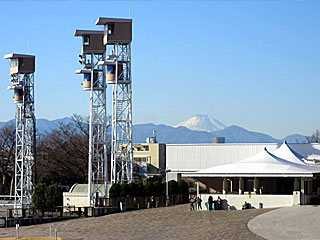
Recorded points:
(28, 46)
(129, 9)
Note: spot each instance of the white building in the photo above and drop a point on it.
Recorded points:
(247, 172)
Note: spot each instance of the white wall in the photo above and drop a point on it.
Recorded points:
(173, 176)
(76, 199)
(235, 201)
(201, 156)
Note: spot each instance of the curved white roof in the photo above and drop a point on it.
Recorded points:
(313, 157)
(263, 164)
(285, 152)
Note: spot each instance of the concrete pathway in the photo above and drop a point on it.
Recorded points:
(300, 222)
(175, 222)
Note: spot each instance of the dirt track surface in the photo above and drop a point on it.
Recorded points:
(175, 222)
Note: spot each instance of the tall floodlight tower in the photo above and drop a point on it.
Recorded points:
(22, 68)
(117, 38)
(93, 51)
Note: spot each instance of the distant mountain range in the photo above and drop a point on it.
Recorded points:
(197, 129)
(43, 125)
(232, 134)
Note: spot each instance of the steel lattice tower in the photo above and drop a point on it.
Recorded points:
(93, 51)
(22, 68)
(117, 38)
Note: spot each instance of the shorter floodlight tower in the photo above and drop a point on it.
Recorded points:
(93, 51)
(22, 68)
(117, 38)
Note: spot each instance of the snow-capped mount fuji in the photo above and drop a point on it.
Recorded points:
(202, 122)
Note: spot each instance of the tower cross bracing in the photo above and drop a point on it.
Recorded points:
(93, 51)
(121, 138)
(97, 182)
(22, 69)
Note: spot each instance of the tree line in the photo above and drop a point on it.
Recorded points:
(61, 155)
(150, 188)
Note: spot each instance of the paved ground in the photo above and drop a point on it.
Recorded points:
(33, 238)
(175, 222)
(300, 222)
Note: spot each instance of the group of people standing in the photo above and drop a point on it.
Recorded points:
(214, 205)
(195, 204)
(195, 201)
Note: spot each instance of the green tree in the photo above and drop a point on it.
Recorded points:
(53, 195)
(115, 190)
(124, 190)
(173, 187)
(183, 187)
(39, 195)
(141, 192)
(149, 189)
(46, 196)
(133, 190)
(158, 188)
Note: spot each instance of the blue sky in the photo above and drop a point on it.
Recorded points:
(249, 63)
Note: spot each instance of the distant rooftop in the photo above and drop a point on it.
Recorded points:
(78, 33)
(16, 55)
(104, 21)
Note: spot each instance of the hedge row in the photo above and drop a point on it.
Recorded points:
(155, 188)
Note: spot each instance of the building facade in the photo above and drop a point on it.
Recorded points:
(149, 158)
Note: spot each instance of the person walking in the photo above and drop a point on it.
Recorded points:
(210, 201)
(191, 206)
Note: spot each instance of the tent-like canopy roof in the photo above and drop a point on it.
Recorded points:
(285, 152)
(313, 157)
(263, 164)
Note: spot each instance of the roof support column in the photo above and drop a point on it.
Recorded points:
(256, 185)
(302, 201)
(309, 187)
(296, 184)
(224, 186)
(241, 185)
(198, 188)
